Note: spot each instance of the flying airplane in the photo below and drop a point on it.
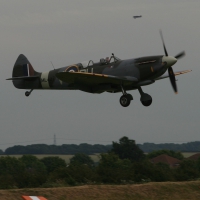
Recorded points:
(108, 75)
(137, 16)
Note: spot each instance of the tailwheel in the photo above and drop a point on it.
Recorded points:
(125, 100)
(27, 93)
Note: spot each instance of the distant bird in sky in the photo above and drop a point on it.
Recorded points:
(137, 16)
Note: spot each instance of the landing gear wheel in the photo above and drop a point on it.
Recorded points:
(129, 96)
(146, 103)
(27, 93)
(125, 100)
(146, 99)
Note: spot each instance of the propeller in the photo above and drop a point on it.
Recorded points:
(161, 35)
(180, 55)
(172, 79)
(170, 70)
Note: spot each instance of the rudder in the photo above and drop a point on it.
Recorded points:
(24, 76)
(23, 67)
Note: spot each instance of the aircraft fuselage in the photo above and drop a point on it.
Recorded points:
(144, 68)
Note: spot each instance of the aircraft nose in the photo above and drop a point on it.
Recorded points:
(170, 60)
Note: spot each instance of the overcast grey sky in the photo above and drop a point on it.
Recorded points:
(67, 32)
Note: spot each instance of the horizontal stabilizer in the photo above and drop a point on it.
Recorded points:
(24, 78)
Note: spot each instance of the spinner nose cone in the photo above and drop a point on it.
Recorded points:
(170, 60)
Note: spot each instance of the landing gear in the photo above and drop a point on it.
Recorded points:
(125, 99)
(27, 93)
(145, 99)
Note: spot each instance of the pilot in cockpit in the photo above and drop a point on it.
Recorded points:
(107, 60)
(102, 61)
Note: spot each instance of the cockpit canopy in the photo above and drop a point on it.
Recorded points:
(103, 61)
(86, 63)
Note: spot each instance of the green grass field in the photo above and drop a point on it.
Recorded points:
(188, 154)
(148, 191)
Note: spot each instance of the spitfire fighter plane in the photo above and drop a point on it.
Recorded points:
(108, 75)
(137, 16)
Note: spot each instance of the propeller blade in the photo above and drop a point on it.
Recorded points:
(172, 79)
(180, 55)
(166, 54)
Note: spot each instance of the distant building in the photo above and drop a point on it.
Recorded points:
(164, 158)
(194, 157)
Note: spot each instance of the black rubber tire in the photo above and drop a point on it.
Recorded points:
(125, 100)
(146, 103)
(27, 93)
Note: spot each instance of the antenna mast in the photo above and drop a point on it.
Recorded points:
(53, 66)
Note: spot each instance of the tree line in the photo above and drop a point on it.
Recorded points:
(67, 149)
(124, 163)
(185, 147)
(71, 149)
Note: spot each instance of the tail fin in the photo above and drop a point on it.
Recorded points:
(23, 75)
(23, 68)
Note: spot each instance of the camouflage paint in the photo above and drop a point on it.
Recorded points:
(96, 77)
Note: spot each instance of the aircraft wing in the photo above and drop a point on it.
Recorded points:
(175, 73)
(92, 78)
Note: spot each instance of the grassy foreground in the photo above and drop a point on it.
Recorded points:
(149, 191)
